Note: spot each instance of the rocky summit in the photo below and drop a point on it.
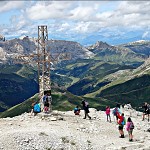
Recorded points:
(65, 131)
(25, 46)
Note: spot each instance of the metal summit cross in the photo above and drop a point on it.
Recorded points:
(43, 59)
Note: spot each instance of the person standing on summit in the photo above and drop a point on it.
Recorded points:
(85, 106)
(129, 128)
(108, 113)
(115, 111)
(146, 108)
(121, 123)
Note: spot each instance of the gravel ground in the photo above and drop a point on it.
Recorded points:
(65, 131)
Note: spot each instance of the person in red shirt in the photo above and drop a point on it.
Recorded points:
(108, 113)
(121, 123)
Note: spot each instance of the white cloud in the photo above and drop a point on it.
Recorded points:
(64, 27)
(86, 27)
(70, 10)
(9, 5)
(146, 34)
(83, 13)
(48, 10)
(71, 18)
(129, 7)
(127, 14)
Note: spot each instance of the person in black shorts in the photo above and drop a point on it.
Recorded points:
(121, 123)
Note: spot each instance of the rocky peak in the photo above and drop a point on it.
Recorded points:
(99, 45)
(75, 49)
(26, 45)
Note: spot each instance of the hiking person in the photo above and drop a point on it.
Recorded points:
(129, 128)
(36, 108)
(108, 113)
(46, 106)
(77, 110)
(146, 111)
(43, 101)
(85, 106)
(121, 122)
(50, 101)
(115, 111)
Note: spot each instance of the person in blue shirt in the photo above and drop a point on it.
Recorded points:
(77, 110)
(115, 111)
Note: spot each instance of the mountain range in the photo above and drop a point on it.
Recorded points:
(117, 74)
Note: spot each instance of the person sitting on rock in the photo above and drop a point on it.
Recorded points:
(129, 128)
(36, 108)
(121, 122)
(86, 109)
(108, 113)
(77, 110)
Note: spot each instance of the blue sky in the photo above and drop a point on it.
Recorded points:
(86, 22)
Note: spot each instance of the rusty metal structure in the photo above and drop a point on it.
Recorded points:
(43, 59)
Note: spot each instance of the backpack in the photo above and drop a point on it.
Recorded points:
(131, 126)
(36, 108)
(115, 111)
(44, 98)
(86, 104)
(49, 98)
(124, 121)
